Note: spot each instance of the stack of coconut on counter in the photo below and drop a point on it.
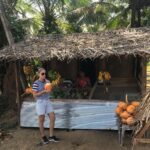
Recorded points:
(127, 111)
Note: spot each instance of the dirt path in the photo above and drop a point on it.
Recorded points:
(28, 139)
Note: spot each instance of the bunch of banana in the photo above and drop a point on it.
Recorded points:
(107, 76)
(104, 76)
(100, 76)
(58, 76)
(57, 81)
(27, 70)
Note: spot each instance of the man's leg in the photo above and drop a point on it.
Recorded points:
(52, 123)
(41, 124)
(52, 138)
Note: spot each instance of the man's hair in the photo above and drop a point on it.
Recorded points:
(40, 69)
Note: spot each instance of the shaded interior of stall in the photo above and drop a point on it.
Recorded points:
(127, 75)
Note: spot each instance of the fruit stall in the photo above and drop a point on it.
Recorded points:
(113, 61)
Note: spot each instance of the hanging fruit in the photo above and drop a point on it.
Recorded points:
(107, 76)
(27, 69)
(54, 77)
(100, 76)
(104, 76)
(28, 90)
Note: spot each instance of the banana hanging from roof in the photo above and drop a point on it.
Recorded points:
(104, 76)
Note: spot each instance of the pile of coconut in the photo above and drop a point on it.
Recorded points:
(127, 111)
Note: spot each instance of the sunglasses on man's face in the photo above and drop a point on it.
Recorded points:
(43, 74)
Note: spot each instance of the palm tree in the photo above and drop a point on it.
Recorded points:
(99, 15)
(49, 9)
(136, 6)
(96, 16)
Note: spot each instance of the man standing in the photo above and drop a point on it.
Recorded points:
(44, 106)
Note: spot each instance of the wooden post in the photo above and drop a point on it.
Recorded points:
(141, 77)
(139, 138)
(143, 80)
(17, 90)
(103, 64)
(143, 130)
(93, 90)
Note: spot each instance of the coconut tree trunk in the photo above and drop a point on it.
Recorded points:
(15, 80)
(139, 17)
(133, 18)
(6, 27)
(9, 84)
(135, 6)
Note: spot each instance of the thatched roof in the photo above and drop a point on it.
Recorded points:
(81, 45)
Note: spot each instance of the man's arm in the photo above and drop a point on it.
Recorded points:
(36, 94)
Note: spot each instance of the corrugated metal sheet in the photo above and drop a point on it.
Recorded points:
(74, 114)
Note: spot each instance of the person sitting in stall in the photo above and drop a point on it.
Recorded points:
(83, 84)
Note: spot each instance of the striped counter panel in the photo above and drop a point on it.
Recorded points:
(74, 114)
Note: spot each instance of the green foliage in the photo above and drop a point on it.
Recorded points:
(16, 25)
(49, 9)
(65, 93)
(17, 28)
(96, 16)
(146, 16)
(52, 74)
(68, 16)
(30, 16)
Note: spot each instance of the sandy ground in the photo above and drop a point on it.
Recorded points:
(29, 139)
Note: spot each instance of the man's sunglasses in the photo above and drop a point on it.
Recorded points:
(43, 74)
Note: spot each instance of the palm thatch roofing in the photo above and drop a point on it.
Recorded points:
(81, 45)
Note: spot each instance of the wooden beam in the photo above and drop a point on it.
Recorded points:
(142, 140)
(93, 90)
(143, 75)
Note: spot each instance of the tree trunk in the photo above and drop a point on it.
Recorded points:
(6, 28)
(139, 17)
(135, 6)
(9, 85)
(133, 18)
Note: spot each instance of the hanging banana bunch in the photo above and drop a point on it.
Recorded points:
(107, 76)
(100, 76)
(104, 76)
(55, 77)
(27, 69)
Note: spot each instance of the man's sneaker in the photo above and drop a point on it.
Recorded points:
(53, 139)
(44, 140)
